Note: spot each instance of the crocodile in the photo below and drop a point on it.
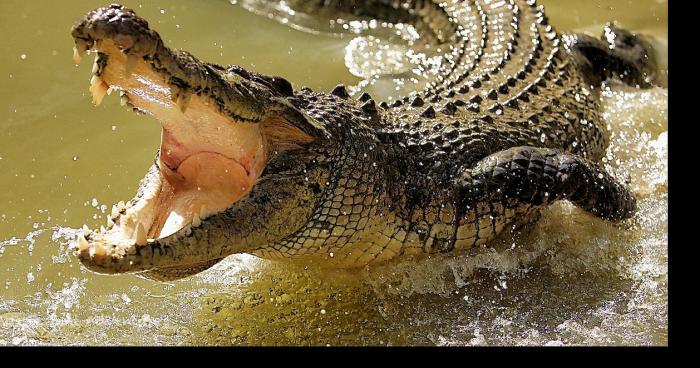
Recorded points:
(248, 164)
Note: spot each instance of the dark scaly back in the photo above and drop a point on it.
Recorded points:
(506, 79)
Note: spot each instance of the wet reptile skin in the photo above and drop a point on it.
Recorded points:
(511, 125)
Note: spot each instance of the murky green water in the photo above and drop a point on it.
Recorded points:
(572, 280)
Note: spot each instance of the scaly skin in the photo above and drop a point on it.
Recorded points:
(511, 125)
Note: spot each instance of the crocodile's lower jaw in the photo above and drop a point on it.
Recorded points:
(207, 161)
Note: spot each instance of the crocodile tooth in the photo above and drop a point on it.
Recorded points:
(98, 89)
(131, 60)
(127, 221)
(85, 229)
(94, 81)
(97, 251)
(76, 55)
(140, 234)
(99, 93)
(196, 221)
(110, 222)
(202, 212)
(115, 212)
(79, 50)
(82, 243)
(95, 67)
(121, 206)
(123, 100)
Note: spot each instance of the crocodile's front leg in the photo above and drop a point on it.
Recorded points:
(511, 183)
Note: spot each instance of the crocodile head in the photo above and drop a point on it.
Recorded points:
(234, 152)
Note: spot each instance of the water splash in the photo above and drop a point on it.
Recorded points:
(573, 279)
(390, 58)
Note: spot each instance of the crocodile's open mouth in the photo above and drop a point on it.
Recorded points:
(207, 160)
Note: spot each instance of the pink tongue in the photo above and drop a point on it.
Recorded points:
(172, 151)
(203, 183)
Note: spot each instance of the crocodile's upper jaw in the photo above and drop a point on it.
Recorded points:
(222, 126)
(207, 161)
